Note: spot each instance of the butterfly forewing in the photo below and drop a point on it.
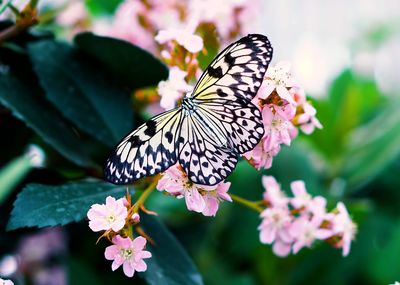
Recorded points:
(207, 135)
(148, 150)
(240, 67)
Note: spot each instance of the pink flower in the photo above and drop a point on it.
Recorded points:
(128, 253)
(109, 216)
(126, 25)
(279, 78)
(298, 95)
(273, 193)
(281, 248)
(174, 181)
(6, 282)
(173, 88)
(286, 111)
(301, 197)
(261, 158)
(277, 218)
(317, 208)
(277, 129)
(74, 13)
(275, 225)
(9, 265)
(135, 217)
(221, 13)
(212, 198)
(199, 198)
(306, 231)
(183, 36)
(344, 227)
(36, 154)
(194, 200)
(308, 120)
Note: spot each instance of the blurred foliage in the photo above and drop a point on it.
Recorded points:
(102, 7)
(74, 100)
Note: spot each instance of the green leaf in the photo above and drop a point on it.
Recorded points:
(19, 93)
(102, 7)
(43, 205)
(169, 264)
(374, 146)
(352, 102)
(12, 173)
(83, 92)
(134, 66)
(382, 264)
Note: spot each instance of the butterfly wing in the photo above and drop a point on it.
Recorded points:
(237, 71)
(225, 122)
(148, 150)
(241, 123)
(226, 88)
(205, 161)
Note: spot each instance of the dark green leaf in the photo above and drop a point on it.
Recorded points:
(382, 264)
(136, 67)
(79, 273)
(81, 91)
(170, 264)
(43, 205)
(19, 94)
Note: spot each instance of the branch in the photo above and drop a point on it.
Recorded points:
(25, 19)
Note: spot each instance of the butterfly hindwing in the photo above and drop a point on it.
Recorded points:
(148, 150)
(203, 159)
(242, 123)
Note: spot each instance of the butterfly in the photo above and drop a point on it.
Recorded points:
(209, 130)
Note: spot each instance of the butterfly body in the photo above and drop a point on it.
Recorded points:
(211, 128)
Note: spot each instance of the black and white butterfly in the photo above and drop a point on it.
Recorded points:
(211, 128)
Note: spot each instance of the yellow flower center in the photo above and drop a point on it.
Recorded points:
(127, 253)
(110, 218)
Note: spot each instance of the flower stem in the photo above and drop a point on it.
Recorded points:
(25, 19)
(247, 203)
(146, 193)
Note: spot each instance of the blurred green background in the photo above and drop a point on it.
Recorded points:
(345, 54)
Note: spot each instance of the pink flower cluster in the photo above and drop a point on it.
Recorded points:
(291, 223)
(171, 29)
(113, 217)
(199, 198)
(284, 108)
(139, 21)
